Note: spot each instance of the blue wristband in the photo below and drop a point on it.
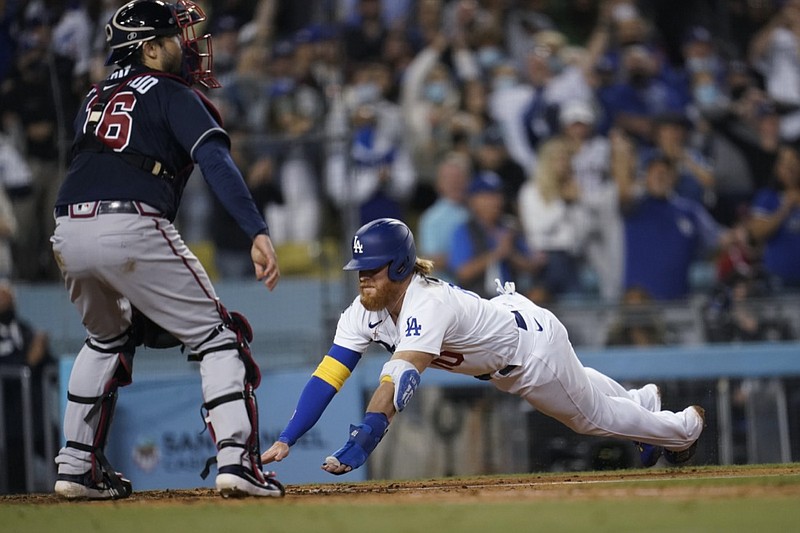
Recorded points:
(363, 440)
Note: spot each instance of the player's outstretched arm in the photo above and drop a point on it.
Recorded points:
(325, 382)
(265, 261)
(400, 377)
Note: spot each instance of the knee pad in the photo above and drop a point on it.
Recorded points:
(243, 333)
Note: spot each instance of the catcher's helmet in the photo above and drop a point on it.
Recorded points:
(385, 241)
(143, 20)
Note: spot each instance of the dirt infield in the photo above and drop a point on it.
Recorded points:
(728, 481)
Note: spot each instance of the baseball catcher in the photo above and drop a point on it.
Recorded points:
(126, 267)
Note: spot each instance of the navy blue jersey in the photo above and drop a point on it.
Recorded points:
(150, 114)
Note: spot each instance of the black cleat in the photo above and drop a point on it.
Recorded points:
(83, 487)
(236, 481)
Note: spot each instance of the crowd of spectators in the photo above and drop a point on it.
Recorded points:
(600, 149)
(595, 147)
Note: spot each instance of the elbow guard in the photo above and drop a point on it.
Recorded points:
(405, 378)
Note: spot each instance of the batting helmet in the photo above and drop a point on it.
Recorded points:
(144, 20)
(384, 241)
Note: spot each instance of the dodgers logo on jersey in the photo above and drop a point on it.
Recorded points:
(412, 328)
(358, 248)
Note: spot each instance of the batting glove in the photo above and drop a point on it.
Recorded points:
(363, 440)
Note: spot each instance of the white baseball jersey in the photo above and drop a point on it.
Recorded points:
(525, 350)
(465, 333)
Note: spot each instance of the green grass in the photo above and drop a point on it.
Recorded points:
(640, 515)
(747, 502)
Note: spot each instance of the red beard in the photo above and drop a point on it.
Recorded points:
(377, 300)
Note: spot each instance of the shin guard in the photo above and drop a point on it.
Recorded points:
(89, 418)
(216, 409)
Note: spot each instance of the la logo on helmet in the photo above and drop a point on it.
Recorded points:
(358, 248)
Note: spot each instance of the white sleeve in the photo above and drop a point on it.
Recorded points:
(7, 214)
(16, 172)
(414, 78)
(351, 332)
(349, 185)
(423, 327)
(466, 66)
(404, 176)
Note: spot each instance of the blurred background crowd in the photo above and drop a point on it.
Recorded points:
(619, 151)
(635, 161)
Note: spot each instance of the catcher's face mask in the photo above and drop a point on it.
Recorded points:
(198, 55)
(140, 21)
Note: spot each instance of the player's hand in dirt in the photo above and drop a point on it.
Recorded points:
(277, 452)
(333, 466)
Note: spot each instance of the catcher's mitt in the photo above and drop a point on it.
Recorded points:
(146, 332)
